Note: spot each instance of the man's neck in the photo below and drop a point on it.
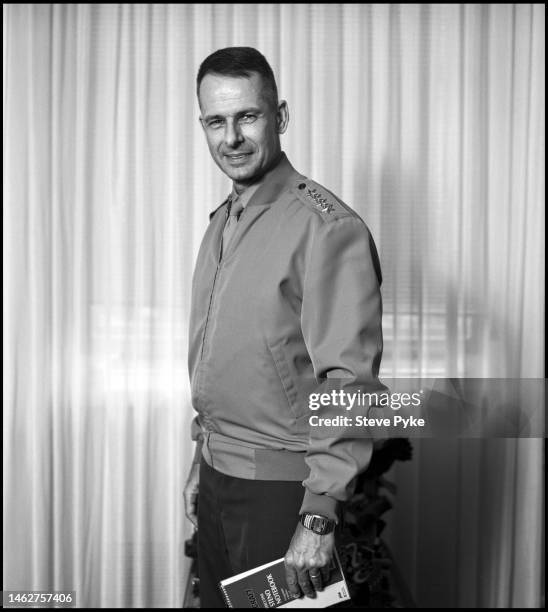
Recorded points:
(239, 188)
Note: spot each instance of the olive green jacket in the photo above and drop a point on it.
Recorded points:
(291, 308)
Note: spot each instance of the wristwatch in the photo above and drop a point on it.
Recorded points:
(317, 523)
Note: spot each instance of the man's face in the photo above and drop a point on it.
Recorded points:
(241, 126)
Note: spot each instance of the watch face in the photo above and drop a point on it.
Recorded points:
(318, 524)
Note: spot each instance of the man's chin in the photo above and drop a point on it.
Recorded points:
(241, 173)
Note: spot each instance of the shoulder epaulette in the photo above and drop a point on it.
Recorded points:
(315, 195)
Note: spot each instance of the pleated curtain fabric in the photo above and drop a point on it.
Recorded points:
(428, 119)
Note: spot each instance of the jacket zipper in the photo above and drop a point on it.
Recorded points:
(213, 289)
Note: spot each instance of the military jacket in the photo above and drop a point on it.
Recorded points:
(292, 307)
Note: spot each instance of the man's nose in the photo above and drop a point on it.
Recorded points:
(233, 134)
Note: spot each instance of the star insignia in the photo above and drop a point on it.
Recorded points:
(319, 201)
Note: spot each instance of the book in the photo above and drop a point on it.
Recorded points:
(266, 587)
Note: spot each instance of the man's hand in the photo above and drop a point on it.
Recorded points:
(307, 561)
(190, 494)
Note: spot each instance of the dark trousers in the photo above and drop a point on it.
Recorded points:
(241, 524)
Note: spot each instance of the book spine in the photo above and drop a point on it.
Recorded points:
(225, 595)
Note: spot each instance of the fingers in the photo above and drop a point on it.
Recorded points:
(193, 519)
(190, 515)
(190, 494)
(190, 507)
(292, 580)
(325, 572)
(305, 582)
(316, 578)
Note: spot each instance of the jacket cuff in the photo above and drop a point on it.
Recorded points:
(320, 504)
(198, 451)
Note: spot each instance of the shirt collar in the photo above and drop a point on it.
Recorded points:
(269, 187)
(274, 182)
(246, 194)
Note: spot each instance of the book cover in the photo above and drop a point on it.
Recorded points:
(266, 587)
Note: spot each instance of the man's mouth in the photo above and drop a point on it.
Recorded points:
(237, 156)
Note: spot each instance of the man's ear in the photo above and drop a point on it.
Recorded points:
(282, 116)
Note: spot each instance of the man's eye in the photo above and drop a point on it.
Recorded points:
(248, 118)
(215, 123)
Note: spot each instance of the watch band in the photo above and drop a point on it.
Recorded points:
(317, 523)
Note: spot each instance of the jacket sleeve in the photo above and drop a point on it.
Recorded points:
(341, 323)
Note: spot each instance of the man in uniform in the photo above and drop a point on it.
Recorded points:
(285, 302)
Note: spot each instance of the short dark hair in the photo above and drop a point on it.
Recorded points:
(239, 62)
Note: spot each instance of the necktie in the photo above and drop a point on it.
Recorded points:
(230, 225)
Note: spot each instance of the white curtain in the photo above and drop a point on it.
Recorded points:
(427, 119)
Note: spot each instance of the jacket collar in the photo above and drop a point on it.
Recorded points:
(271, 185)
(275, 181)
